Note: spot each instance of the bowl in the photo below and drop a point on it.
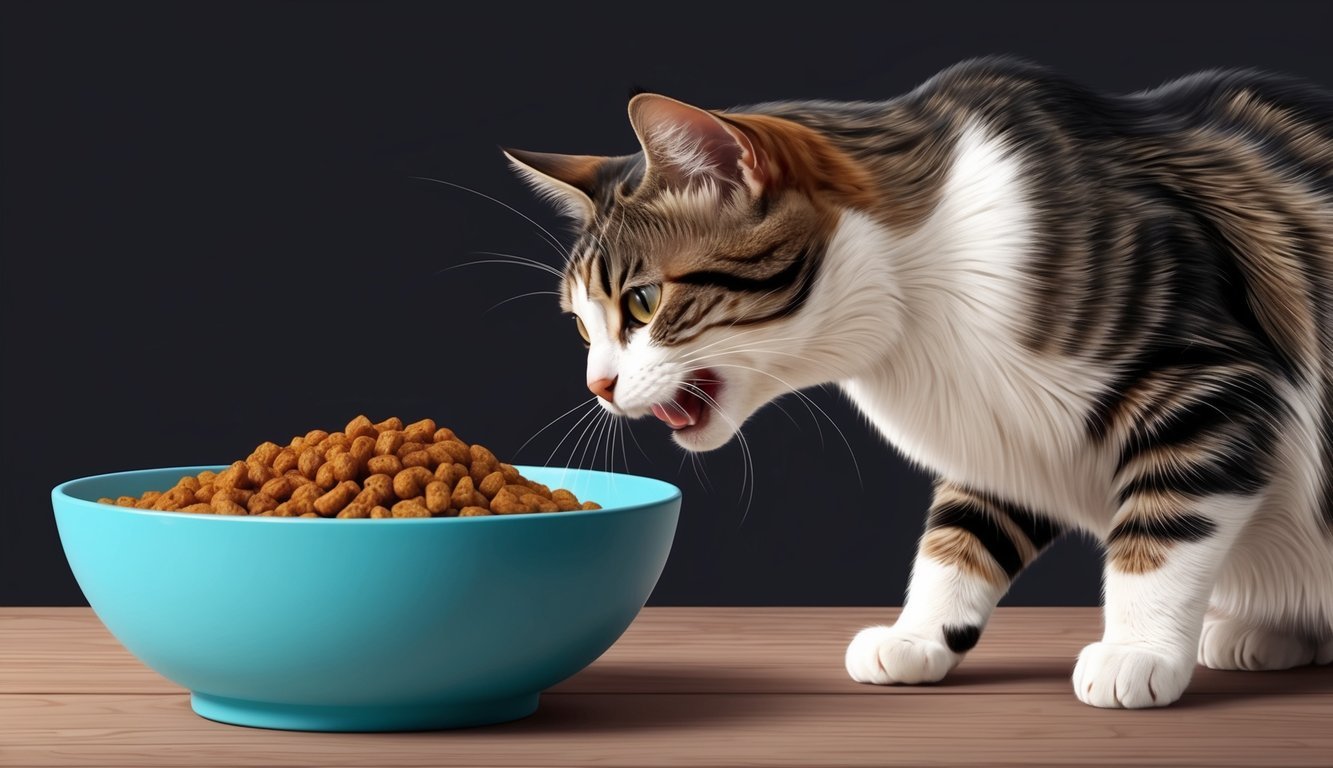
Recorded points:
(367, 625)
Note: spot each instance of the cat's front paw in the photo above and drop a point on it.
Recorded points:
(888, 655)
(1124, 675)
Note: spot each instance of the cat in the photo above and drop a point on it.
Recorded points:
(1109, 313)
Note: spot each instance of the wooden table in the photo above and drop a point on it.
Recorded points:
(689, 686)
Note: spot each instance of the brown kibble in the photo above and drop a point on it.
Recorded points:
(355, 509)
(437, 497)
(385, 465)
(324, 476)
(463, 493)
(506, 503)
(410, 509)
(361, 449)
(107, 500)
(564, 500)
(361, 426)
(227, 507)
(266, 453)
(420, 431)
(283, 463)
(410, 482)
(591, 505)
(409, 447)
(491, 484)
(457, 451)
(309, 462)
(236, 495)
(366, 470)
(417, 459)
(539, 489)
(387, 443)
(345, 467)
(391, 424)
(260, 503)
(450, 474)
(279, 488)
(382, 485)
(257, 473)
(333, 502)
(235, 476)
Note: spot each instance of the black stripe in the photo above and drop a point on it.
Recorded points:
(975, 520)
(962, 639)
(1184, 527)
(1039, 529)
(733, 282)
(603, 271)
(1242, 475)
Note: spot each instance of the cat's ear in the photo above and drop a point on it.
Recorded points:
(685, 143)
(569, 181)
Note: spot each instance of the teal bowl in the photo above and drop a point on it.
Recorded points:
(368, 625)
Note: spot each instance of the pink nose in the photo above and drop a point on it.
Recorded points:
(604, 388)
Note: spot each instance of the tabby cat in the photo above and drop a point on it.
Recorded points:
(1081, 311)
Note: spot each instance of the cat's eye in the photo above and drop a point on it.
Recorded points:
(641, 302)
(583, 329)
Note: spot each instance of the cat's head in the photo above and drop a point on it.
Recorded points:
(698, 261)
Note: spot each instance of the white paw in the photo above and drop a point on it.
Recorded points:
(1130, 676)
(887, 655)
(1230, 644)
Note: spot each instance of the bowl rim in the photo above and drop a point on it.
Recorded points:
(62, 492)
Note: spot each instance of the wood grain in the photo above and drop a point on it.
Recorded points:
(670, 650)
(698, 729)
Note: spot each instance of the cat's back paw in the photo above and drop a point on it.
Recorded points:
(1129, 676)
(1228, 643)
(888, 656)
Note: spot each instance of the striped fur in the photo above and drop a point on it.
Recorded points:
(1109, 313)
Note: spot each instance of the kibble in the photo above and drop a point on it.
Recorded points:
(367, 470)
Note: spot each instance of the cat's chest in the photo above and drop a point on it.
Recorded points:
(1001, 426)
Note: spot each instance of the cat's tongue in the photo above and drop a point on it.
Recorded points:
(681, 412)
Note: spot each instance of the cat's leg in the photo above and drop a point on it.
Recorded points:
(1164, 554)
(1229, 642)
(973, 547)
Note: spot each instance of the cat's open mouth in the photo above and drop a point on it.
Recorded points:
(693, 402)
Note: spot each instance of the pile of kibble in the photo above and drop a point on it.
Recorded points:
(367, 470)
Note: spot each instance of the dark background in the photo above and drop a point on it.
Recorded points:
(212, 236)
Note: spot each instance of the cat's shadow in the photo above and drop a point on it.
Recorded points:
(610, 698)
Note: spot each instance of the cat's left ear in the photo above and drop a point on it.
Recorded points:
(570, 181)
(685, 143)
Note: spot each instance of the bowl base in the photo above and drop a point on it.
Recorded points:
(422, 717)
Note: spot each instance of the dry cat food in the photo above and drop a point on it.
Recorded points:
(367, 470)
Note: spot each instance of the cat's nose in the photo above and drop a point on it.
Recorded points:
(604, 388)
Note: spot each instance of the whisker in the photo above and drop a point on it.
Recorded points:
(516, 298)
(855, 464)
(551, 423)
(551, 239)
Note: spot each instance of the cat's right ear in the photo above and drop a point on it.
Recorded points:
(569, 181)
